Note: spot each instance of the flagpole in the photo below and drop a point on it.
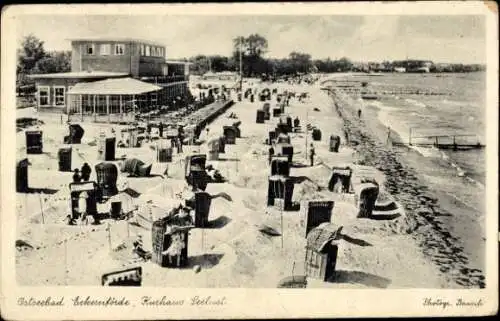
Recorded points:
(241, 65)
(307, 130)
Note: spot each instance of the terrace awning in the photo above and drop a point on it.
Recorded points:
(118, 86)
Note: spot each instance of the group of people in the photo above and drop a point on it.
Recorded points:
(83, 174)
(177, 143)
(149, 129)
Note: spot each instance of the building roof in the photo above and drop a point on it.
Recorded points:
(116, 86)
(118, 39)
(80, 74)
(178, 62)
(321, 235)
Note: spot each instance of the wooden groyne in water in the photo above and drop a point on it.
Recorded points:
(404, 91)
(444, 141)
(359, 90)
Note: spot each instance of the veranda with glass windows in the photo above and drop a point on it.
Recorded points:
(110, 100)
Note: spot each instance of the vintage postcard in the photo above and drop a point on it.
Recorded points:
(272, 160)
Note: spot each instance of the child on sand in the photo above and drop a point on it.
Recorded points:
(76, 176)
(82, 207)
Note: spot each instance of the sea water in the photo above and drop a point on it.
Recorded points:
(447, 104)
(453, 104)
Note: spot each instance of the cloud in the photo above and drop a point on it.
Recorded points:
(357, 37)
(377, 29)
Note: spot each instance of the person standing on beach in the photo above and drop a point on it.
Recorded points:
(271, 153)
(359, 113)
(388, 135)
(86, 170)
(82, 207)
(311, 154)
(76, 176)
(179, 145)
(160, 129)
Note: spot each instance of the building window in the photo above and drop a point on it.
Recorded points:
(142, 50)
(148, 51)
(114, 104)
(87, 103)
(119, 49)
(59, 96)
(101, 105)
(141, 101)
(105, 49)
(90, 49)
(43, 96)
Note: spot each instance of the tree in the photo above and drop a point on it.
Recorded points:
(199, 65)
(343, 64)
(57, 61)
(301, 61)
(252, 48)
(202, 64)
(29, 54)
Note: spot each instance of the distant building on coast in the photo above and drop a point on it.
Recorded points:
(228, 79)
(112, 76)
(413, 66)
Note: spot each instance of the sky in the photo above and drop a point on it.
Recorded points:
(453, 39)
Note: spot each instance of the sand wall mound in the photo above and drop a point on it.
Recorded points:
(307, 190)
(250, 181)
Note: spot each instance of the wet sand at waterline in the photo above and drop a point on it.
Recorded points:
(233, 252)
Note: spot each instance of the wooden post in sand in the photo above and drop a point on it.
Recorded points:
(203, 239)
(65, 261)
(41, 208)
(307, 131)
(109, 236)
(281, 210)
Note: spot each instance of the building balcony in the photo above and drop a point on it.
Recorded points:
(164, 80)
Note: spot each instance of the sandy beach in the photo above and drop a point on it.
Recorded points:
(373, 253)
